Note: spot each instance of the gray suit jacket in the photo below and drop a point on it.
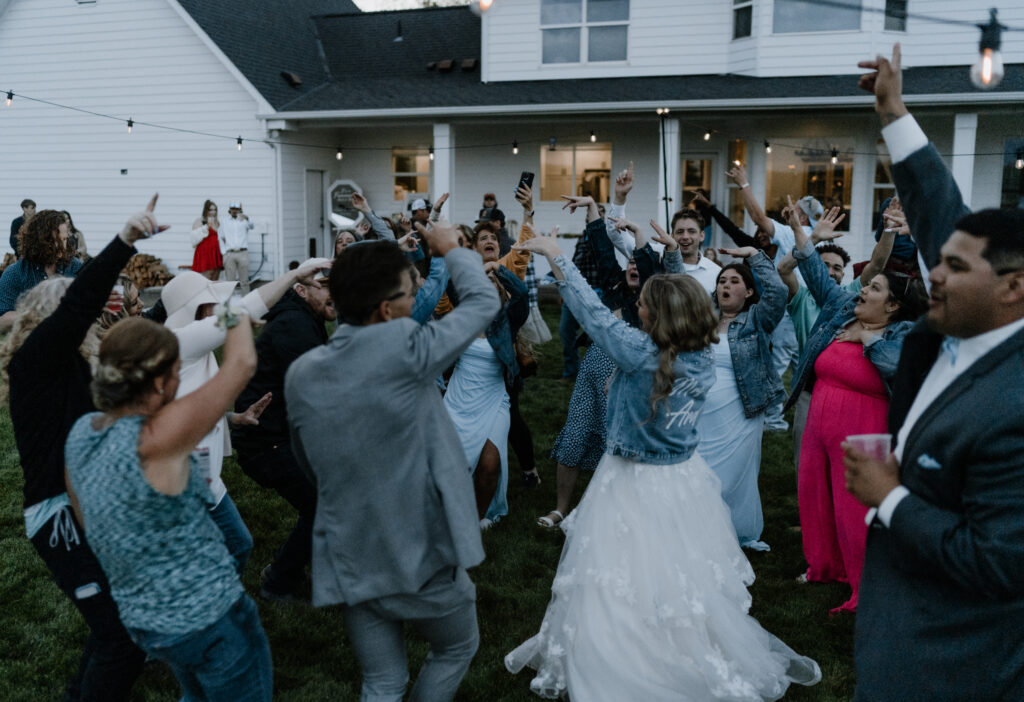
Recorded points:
(395, 496)
(941, 610)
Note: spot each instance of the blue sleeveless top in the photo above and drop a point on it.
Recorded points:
(169, 569)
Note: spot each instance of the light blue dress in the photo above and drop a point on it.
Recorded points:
(731, 444)
(479, 407)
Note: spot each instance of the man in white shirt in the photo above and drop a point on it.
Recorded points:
(234, 246)
(942, 594)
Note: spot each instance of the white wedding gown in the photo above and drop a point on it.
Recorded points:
(650, 598)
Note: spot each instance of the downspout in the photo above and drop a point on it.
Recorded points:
(279, 205)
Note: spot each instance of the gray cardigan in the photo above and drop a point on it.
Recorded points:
(395, 497)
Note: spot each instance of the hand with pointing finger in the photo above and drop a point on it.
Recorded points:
(142, 225)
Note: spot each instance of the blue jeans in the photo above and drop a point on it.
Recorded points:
(443, 612)
(784, 351)
(236, 535)
(567, 328)
(227, 661)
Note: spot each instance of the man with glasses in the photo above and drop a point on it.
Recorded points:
(396, 520)
(295, 325)
(942, 597)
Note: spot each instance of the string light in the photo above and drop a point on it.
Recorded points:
(130, 125)
(835, 156)
(479, 7)
(987, 70)
(10, 96)
(431, 152)
(767, 147)
(239, 143)
(1019, 164)
(338, 156)
(593, 137)
(515, 147)
(707, 136)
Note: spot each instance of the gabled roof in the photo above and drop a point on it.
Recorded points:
(266, 37)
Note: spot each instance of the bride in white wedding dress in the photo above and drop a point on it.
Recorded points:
(649, 601)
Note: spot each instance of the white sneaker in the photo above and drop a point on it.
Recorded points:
(485, 524)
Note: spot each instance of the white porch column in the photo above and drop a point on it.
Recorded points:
(965, 136)
(668, 168)
(444, 161)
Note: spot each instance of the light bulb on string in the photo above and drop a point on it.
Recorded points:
(987, 71)
(1019, 163)
(707, 136)
(767, 147)
(130, 125)
(239, 143)
(10, 96)
(515, 147)
(835, 156)
(338, 156)
(431, 152)
(479, 7)
(593, 137)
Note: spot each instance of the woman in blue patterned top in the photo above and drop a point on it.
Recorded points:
(140, 494)
(649, 601)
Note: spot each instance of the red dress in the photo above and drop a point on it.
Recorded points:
(849, 398)
(207, 256)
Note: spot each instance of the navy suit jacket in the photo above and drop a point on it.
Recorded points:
(941, 610)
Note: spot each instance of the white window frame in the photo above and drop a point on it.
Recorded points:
(819, 30)
(416, 151)
(576, 147)
(583, 25)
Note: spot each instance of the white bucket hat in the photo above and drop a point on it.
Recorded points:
(186, 292)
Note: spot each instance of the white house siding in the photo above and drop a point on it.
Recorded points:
(670, 37)
(134, 58)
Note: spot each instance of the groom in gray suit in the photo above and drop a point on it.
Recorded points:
(396, 523)
(941, 612)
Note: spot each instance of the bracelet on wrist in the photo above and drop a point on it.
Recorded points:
(745, 185)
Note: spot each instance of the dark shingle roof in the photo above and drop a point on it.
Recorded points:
(267, 37)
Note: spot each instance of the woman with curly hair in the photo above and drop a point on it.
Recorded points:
(48, 390)
(44, 252)
(650, 598)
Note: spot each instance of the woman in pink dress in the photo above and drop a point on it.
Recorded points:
(850, 359)
(207, 259)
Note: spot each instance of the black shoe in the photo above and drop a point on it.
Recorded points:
(269, 595)
(530, 479)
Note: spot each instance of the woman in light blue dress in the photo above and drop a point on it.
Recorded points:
(730, 427)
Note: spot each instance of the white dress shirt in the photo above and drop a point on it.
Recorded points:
(234, 234)
(705, 272)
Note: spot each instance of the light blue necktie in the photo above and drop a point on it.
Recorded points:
(951, 345)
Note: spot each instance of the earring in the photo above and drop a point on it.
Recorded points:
(161, 391)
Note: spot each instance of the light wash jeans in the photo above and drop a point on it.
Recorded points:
(236, 535)
(784, 352)
(227, 661)
(443, 612)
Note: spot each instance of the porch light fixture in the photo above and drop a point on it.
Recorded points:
(431, 152)
(767, 147)
(835, 155)
(130, 125)
(239, 143)
(661, 111)
(338, 156)
(1019, 163)
(552, 144)
(479, 7)
(593, 137)
(707, 136)
(515, 147)
(10, 96)
(987, 71)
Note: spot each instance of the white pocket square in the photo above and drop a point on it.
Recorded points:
(927, 462)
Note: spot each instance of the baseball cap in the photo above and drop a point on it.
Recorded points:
(419, 204)
(811, 207)
(236, 205)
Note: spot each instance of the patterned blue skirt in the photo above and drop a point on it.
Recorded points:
(581, 442)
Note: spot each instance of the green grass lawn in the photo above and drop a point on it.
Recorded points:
(41, 634)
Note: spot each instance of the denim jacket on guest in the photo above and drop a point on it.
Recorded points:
(671, 435)
(837, 305)
(750, 340)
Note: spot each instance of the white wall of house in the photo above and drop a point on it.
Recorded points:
(669, 37)
(129, 58)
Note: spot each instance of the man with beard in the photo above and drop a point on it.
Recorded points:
(295, 325)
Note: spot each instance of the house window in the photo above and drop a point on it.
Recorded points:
(578, 169)
(807, 169)
(742, 18)
(809, 16)
(411, 169)
(737, 157)
(1013, 177)
(578, 31)
(883, 187)
(895, 15)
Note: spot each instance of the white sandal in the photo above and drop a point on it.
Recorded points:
(547, 522)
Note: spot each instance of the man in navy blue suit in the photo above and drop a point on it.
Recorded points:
(941, 612)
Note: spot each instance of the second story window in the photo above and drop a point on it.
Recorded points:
(896, 15)
(808, 16)
(584, 31)
(742, 18)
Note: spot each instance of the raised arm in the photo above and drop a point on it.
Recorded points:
(629, 348)
(673, 259)
(739, 237)
(429, 294)
(377, 225)
(172, 433)
(517, 260)
(768, 312)
(763, 221)
(787, 272)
